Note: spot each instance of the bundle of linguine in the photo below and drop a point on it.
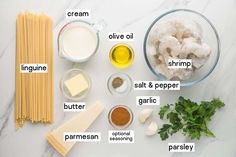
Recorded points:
(34, 91)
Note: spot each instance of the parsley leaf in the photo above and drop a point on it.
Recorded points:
(165, 131)
(163, 110)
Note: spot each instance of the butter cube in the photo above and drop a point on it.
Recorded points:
(76, 84)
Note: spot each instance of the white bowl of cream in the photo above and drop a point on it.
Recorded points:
(78, 41)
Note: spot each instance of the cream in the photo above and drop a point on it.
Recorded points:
(79, 42)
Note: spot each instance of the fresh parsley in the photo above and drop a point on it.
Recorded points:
(189, 117)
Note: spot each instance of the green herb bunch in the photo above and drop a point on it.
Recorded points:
(189, 117)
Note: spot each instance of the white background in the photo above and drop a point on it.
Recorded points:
(126, 16)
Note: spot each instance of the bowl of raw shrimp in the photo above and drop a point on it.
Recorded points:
(178, 38)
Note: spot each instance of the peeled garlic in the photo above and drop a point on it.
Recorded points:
(144, 115)
(152, 129)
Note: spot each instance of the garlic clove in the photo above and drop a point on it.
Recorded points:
(144, 115)
(152, 129)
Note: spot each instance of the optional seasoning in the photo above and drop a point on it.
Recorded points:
(120, 116)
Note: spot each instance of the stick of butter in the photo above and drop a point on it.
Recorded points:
(79, 123)
(76, 84)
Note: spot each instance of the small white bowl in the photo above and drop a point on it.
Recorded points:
(69, 74)
(125, 77)
(120, 126)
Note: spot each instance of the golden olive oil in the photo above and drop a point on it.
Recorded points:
(121, 55)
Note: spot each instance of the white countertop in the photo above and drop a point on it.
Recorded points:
(122, 15)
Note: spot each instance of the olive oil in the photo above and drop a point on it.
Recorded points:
(121, 55)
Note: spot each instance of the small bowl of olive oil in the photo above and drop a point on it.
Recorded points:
(121, 55)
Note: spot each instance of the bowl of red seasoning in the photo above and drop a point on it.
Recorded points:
(120, 116)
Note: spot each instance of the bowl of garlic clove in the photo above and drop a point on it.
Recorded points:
(179, 36)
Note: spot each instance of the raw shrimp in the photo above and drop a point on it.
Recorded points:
(170, 45)
(164, 29)
(162, 69)
(198, 50)
(178, 39)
